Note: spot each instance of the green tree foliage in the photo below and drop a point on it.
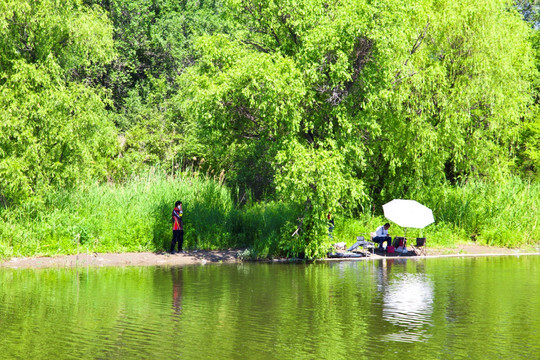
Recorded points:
(355, 101)
(153, 40)
(76, 36)
(53, 130)
(458, 98)
(528, 159)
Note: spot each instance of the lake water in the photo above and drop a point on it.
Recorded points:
(449, 308)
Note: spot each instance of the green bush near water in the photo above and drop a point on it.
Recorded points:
(136, 216)
(501, 214)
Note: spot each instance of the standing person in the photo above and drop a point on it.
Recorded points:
(178, 227)
(381, 235)
(330, 225)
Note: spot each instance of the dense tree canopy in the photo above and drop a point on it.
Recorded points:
(53, 130)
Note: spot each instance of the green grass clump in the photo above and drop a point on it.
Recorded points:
(260, 225)
(136, 216)
(499, 214)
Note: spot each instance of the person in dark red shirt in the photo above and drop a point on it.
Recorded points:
(178, 227)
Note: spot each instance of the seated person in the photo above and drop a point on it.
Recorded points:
(381, 235)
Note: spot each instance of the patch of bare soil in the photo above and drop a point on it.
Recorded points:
(475, 249)
(124, 259)
(229, 256)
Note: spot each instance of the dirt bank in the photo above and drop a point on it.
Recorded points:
(223, 256)
(124, 259)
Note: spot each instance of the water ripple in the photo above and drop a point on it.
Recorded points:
(425, 309)
(407, 304)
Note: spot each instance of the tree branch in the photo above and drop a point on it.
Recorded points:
(417, 43)
(257, 46)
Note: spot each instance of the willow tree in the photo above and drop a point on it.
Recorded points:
(53, 130)
(353, 102)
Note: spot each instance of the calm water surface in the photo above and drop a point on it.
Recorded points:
(478, 308)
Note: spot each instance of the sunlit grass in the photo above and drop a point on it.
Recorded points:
(135, 216)
(502, 214)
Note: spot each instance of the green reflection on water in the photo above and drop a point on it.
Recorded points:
(432, 308)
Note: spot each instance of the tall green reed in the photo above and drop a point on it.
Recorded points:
(136, 216)
(133, 216)
(501, 214)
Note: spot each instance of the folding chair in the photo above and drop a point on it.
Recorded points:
(367, 245)
(360, 241)
(420, 247)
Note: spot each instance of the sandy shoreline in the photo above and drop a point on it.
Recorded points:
(123, 259)
(224, 256)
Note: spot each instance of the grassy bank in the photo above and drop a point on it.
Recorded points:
(135, 216)
(503, 214)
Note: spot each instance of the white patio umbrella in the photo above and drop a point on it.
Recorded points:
(408, 213)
